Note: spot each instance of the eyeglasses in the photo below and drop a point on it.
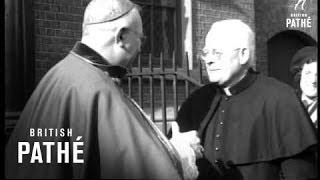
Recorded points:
(206, 54)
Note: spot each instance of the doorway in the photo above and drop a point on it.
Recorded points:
(281, 49)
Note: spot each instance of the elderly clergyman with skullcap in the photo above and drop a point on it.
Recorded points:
(252, 127)
(101, 132)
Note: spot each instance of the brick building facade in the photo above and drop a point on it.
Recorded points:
(57, 26)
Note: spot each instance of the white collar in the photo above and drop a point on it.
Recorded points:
(227, 91)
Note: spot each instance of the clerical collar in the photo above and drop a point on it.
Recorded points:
(98, 61)
(243, 84)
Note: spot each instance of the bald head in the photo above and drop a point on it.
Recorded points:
(228, 52)
(232, 33)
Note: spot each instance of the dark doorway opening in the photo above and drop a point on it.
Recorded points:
(281, 49)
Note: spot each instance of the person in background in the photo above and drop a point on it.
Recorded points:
(252, 127)
(304, 70)
(80, 93)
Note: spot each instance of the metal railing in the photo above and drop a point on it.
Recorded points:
(151, 73)
(173, 74)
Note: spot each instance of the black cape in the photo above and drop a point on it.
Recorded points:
(267, 121)
(118, 141)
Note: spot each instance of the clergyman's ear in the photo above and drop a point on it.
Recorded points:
(120, 36)
(244, 56)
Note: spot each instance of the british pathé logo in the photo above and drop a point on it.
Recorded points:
(301, 3)
(62, 149)
(299, 18)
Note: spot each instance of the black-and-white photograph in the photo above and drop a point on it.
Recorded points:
(161, 89)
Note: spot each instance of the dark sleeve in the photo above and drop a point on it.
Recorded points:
(183, 116)
(194, 108)
(300, 167)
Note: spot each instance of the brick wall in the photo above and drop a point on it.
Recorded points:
(57, 28)
(206, 12)
(58, 25)
(270, 19)
(266, 17)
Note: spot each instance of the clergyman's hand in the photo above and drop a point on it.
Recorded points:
(186, 144)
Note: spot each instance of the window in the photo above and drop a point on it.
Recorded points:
(160, 25)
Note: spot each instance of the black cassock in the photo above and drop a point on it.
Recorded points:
(118, 141)
(259, 132)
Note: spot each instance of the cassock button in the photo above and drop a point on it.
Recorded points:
(217, 135)
(217, 149)
(221, 123)
(222, 111)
